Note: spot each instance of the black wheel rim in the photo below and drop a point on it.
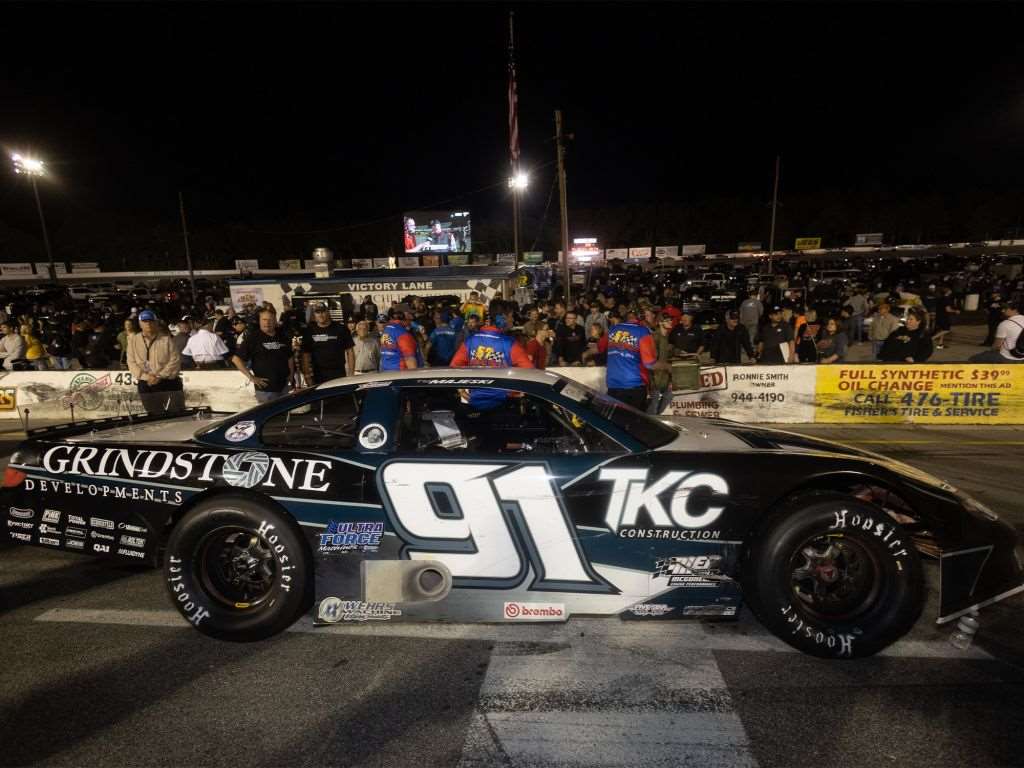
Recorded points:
(835, 578)
(236, 567)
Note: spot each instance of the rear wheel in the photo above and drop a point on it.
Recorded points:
(835, 577)
(237, 569)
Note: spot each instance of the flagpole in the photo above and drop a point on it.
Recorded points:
(513, 127)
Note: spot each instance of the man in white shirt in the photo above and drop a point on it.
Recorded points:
(1007, 334)
(12, 345)
(206, 348)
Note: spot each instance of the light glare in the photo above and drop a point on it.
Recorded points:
(519, 181)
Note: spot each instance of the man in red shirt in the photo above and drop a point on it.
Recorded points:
(537, 349)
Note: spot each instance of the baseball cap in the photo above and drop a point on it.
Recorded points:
(775, 309)
(147, 314)
(732, 315)
(239, 320)
(321, 307)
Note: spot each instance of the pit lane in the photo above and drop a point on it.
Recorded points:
(97, 669)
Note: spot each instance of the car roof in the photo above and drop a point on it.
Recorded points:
(531, 375)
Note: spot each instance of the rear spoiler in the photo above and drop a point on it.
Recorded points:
(82, 427)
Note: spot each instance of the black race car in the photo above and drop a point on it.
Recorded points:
(505, 496)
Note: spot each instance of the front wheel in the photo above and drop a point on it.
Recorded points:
(835, 578)
(237, 569)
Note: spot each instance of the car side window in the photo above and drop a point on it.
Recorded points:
(330, 422)
(451, 420)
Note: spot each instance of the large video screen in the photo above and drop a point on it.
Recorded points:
(438, 232)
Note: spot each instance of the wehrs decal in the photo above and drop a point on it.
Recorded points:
(333, 609)
(691, 507)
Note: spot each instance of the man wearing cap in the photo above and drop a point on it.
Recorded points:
(155, 364)
(441, 344)
(686, 336)
(326, 348)
(206, 348)
(269, 351)
(729, 339)
(398, 348)
(775, 344)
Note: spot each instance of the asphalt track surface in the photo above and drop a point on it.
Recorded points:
(97, 670)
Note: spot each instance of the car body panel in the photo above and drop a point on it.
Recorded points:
(528, 530)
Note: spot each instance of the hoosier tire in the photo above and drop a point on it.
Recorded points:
(237, 569)
(835, 577)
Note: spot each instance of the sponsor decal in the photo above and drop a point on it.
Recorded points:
(78, 533)
(242, 470)
(193, 612)
(880, 528)
(535, 611)
(373, 436)
(74, 544)
(133, 541)
(675, 535)
(709, 610)
(692, 506)
(97, 535)
(351, 537)
(99, 522)
(100, 547)
(458, 382)
(48, 540)
(22, 514)
(158, 495)
(651, 609)
(841, 644)
(696, 571)
(333, 609)
(130, 552)
(52, 530)
(51, 516)
(76, 520)
(84, 391)
(240, 431)
(20, 536)
(132, 528)
(19, 524)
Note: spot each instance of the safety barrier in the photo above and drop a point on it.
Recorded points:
(793, 394)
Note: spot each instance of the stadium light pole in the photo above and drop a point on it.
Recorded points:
(775, 203)
(517, 182)
(33, 168)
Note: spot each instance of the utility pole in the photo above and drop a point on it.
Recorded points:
(514, 135)
(188, 253)
(560, 140)
(775, 203)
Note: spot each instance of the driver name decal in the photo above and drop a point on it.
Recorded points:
(692, 505)
(245, 470)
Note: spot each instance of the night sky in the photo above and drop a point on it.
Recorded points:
(320, 116)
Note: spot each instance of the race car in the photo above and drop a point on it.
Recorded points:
(505, 495)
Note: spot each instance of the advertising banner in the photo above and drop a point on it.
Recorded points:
(695, 250)
(246, 294)
(751, 393)
(309, 265)
(431, 260)
(247, 265)
(458, 259)
(869, 238)
(748, 247)
(408, 261)
(640, 253)
(86, 267)
(666, 251)
(362, 263)
(533, 257)
(616, 253)
(384, 263)
(17, 268)
(920, 394)
(294, 264)
(808, 243)
(43, 268)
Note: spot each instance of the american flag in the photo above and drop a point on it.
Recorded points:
(513, 99)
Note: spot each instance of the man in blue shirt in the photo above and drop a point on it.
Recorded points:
(441, 344)
(398, 348)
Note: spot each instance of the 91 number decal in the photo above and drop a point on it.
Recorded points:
(489, 523)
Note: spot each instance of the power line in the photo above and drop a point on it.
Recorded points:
(544, 218)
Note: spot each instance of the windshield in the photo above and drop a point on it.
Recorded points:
(646, 429)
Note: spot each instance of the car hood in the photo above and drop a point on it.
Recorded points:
(718, 435)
